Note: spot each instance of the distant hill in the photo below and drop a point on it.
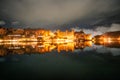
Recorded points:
(114, 34)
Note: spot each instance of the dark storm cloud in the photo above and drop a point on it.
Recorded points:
(100, 29)
(2, 22)
(113, 27)
(58, 11)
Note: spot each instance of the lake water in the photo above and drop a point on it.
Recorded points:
(82, 60)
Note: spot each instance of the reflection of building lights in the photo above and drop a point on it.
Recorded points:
(1, 40)
(119, 39)
(37, 47)
(105, 39)
(109, 40)
(14, 47)
(88, 43)
(41, 46)
(22, 47)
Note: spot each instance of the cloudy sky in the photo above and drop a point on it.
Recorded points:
(62, 14)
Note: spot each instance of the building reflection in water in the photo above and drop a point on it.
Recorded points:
(41, 48)
(110, 44)
(38, 47)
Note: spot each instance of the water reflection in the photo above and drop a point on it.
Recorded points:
(41, 48)
(111, 44)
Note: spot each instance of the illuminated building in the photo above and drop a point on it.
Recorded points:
(81, 36)
(108, 37)
(3, 31)
(42, 35)
(29, 32)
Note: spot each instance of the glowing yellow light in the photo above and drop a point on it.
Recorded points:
(119, 39)
(105, 39)
(109, 40)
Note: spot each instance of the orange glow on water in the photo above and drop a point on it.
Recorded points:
(38, 47)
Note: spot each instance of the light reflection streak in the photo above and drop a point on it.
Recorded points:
(38, 47)
(7, 48)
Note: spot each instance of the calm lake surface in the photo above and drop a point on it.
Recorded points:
(69, 61)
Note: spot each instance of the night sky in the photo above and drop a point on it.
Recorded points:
(60, 14)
